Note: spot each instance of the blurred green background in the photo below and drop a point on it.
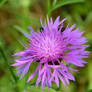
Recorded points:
(17, 15)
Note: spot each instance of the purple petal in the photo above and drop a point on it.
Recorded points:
(62, 80)
(32, 75)
(43, 80)
(28, 36)
(25, 69)
(57, 80)
(20, 62)
(21, 53)
(41, 22)
(47, 20)
(20, 66)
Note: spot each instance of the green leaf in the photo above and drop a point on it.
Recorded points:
(62, 3)
(89, 18)
(2, 2)
(90, 76)
(54, 2)
(21, 30)
(37, 89)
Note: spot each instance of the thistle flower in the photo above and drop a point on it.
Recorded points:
(55, 50)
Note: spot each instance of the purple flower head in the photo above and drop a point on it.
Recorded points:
(55, 49)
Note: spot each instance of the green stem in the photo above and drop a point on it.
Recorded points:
(6, 61)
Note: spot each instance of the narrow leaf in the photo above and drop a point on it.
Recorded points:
(21, 30)
(62, 3)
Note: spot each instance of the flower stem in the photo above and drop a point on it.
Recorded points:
(6, 61)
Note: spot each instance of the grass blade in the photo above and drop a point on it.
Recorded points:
(62, 3)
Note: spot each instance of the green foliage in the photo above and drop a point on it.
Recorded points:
(90, 76)
(2, 2)
(21, 30)
(37, 89)
(62, 3)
